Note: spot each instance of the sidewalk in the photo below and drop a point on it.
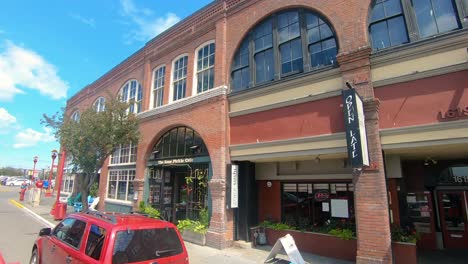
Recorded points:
(238, 254)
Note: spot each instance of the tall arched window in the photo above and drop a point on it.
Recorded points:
(132, 93)
(395, 22)
(179, 81)
(75, 116)
(99, 104)
(205, 68)
(286, 43)
(158, 86)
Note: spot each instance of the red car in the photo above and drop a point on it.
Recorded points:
(96, 237)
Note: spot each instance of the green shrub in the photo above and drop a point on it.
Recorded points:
(404, 234)
(345, 234)
(149, 210)
(93, 191)
(277, 226)
(192, 225)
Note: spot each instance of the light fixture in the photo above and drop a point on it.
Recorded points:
(155, 152)
(194, 147)
(429, 161)
(317, 159)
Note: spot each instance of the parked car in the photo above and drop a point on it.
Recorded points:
(4, 180)
(97, 237)
(16, 181)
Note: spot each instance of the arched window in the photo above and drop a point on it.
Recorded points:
(393, 21)
(205, 68)
(289, 42)
(158, 86)
(99, 104)
(132, 93)
(75, 116)
(179, 81)
(179, 142)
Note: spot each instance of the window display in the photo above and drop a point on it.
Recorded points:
(419, 211)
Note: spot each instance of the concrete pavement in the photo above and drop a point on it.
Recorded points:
(240, 253)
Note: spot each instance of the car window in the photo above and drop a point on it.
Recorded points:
(70, 231)
(145, 244)
(96, 238)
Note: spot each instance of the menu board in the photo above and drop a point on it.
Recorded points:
(419, 211)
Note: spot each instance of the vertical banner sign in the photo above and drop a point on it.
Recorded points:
(356, 137)
(234, 186)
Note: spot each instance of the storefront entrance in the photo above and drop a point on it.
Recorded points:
(453, 218)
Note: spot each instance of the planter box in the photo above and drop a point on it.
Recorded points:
(335, 247)
(193, 237)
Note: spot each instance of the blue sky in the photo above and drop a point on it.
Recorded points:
(49, 50)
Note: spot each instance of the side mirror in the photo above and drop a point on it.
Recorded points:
(45, 231)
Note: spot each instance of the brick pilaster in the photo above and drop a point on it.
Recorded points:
(138, 186)
(370, 190)
(220, 233)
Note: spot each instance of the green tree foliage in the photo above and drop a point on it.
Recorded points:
(9, 171)
(91, 140)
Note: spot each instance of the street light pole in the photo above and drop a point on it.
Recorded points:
(54, 155)
(59, 210)
(34, 168)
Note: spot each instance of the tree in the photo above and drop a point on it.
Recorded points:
(91, 140)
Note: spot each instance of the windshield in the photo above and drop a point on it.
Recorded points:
(145, 244)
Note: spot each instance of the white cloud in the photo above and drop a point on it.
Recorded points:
(88, 21)
(6, 120)
(147, 25)
(30, 137)
(21, 68)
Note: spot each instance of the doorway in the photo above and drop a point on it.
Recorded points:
(453, 218)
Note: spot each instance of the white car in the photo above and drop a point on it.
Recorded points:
(16, 182)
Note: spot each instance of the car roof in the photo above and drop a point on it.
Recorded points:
(114, 219)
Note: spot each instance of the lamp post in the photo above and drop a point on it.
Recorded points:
(34, 168)
(54, 155)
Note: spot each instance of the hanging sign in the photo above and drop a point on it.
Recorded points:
(234, 186)
(355, 129)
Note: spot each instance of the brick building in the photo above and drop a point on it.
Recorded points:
(258, 84)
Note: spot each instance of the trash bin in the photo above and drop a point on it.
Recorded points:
(22, 192)
(60, 211)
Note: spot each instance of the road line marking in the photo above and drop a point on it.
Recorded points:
(40, 218)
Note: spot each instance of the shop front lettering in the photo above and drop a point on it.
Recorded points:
(460, 179)
(175, 161)
(350, 108)
(354, 141)
(455, 113)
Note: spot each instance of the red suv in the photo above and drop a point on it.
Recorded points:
(96, 237)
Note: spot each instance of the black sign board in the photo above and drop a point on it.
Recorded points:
(355, 129)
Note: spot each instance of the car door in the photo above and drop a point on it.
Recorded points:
(64, 245)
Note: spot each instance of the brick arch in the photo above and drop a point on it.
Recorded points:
(162, 132)
(349, 21)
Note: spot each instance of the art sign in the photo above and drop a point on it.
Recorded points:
(355, 129)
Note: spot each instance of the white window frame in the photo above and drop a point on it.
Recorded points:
(121, 175)
(127, 99)
(75, 116)
(155, 89)
(195, 68)
(171, 90)
(100, 104)
(122, 151)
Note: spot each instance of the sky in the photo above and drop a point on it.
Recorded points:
(49, 50)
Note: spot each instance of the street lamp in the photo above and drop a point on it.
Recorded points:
(34, 168)
(54, 155)
(58, 209)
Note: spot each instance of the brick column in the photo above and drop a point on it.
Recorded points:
(138, 186)
(370, 198)
(370, 190)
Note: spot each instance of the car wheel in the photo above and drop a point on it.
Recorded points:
(34, 257)
(12, 184)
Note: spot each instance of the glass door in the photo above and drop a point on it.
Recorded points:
(453, 218)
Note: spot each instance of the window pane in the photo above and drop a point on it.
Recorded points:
(379, 35)
(325, 31)
(445, 15)
(313, 35)
(397, 31)
(311, 20)
(392, 7)
(377, 12)
(95, 241)
(425, 17)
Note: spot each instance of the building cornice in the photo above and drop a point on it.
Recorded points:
(183, 103)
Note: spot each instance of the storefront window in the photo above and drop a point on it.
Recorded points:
(313, 205)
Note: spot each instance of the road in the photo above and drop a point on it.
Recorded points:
(18, 229)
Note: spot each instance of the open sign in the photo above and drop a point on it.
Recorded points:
(322, 195)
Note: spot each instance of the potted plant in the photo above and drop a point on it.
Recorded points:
(194, 231)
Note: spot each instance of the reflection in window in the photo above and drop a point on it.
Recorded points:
(120, 184)
(180, 78)
(287, 43)
(124, 154)
(387, 26)
(435, 16)
(99, 104)
(205, 68)
(179, 142)
(75, 116)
